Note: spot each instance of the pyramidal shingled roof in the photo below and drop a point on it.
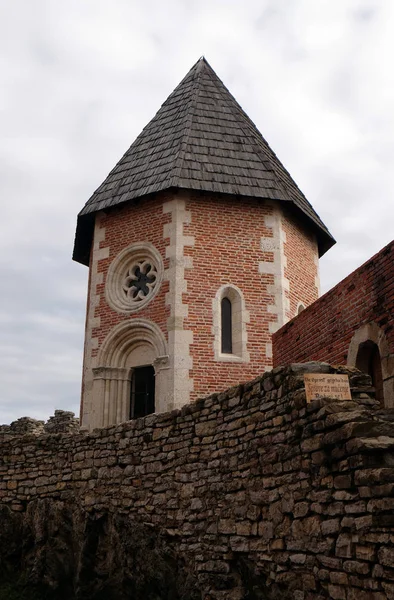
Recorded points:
(200, 139)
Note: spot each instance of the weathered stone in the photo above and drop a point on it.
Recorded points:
(365, 552)
(372, 476)
(342, 482)
(329, 527)
(237, 486)
(312, 444)
(344, 546)
(227, 526)
(337, 592)
(380, 504)
(277, 544)
(298, 559)
(355, 593)
(205, 428)
(339, 578)
(266, 530)
(355, 566)
(330, 562)
(388, 589)
(386, 557)
(301, 509)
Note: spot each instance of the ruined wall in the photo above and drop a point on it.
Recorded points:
(324, 330)
(248, 494)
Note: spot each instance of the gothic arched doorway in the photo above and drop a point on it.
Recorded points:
(369, 351)
(132, 369)
(369, 361)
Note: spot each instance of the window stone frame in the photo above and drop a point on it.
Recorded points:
(240, 318)
(114, 293)
(371, 332)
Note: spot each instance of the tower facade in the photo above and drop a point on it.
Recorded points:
(199, 246)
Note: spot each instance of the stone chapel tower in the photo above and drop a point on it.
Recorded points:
(199, 246)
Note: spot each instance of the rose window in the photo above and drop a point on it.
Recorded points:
(134, 278)
(140, 280)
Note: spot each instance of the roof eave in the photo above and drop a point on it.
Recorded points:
(83, 238)
(85, 222)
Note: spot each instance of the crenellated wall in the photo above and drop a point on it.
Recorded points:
(252, 493)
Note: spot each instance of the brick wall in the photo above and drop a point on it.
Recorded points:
(115, 231)
(249, 490)
(205, 243)
(302, 268)
(137, 222)
(227, 250)
(228, 237)
(325, 329)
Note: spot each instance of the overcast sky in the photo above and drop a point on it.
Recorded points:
(80, 79)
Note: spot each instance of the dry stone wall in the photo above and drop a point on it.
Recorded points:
(256, 493)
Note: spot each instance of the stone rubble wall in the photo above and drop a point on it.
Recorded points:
(300, 496)
(63, 421)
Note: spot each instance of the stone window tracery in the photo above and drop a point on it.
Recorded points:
(140, 280)
(134, 278)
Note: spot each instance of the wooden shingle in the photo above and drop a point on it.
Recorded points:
(200, 139)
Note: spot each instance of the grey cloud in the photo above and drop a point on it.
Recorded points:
(80, 80)
(365, 13)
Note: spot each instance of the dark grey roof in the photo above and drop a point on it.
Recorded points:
(200, 139)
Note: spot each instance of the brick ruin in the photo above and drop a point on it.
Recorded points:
(251, 493)
(351, 324)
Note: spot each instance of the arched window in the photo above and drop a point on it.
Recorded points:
(368, 360)
(229, 325)
(300, 308)
(226, 327)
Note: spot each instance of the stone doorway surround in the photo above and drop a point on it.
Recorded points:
(371, 332)
(132, 343)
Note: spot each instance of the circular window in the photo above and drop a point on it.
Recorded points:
(134, 278)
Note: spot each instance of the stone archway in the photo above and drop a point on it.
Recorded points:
(370, 352)
(132, 343)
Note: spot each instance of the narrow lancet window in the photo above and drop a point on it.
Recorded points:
(227, 336)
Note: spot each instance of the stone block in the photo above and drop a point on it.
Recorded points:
(227, 526)
(337, 592)
(339, 578)
(205, 428)
(388, 589)
(344, 546)
(386, 557)
(342, 482)
(330, 526)
(266, 530)
(365, 553)
(356, 566)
